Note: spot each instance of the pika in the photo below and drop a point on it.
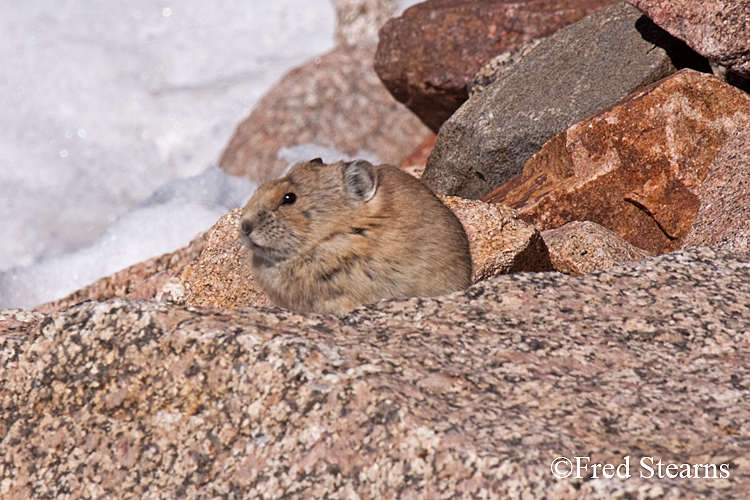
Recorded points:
(329, 238)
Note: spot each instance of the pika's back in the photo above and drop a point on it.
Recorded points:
(328, 238)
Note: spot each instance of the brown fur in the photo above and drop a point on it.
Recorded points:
(355, 234)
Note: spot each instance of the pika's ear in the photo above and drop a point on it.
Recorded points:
(360, 180)
(317, 161)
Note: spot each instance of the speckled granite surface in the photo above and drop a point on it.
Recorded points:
(469, 396)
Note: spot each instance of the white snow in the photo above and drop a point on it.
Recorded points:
(305, 152)
(169, 219)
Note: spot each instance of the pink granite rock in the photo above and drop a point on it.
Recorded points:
(636, 168)
(222, 276)
(500, 242)
(584, 247)
(470, 396)
(427, 56)
(334, 101)
(717, 29)
(723, 220)
(17, 321)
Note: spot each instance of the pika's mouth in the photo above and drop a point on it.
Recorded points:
(266, 256)
(263, 256)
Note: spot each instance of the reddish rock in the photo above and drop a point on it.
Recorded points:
(427, 56)
(723, 220)
(636, 168)
(500, 242)
(417, 159)
(584, 247)
(334, 101)
(717, 29)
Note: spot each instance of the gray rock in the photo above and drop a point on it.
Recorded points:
(427, 56)
(467, 396)
(491, 71)
(723, 219)
(581, 69)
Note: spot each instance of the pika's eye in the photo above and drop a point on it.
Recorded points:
(289, 199)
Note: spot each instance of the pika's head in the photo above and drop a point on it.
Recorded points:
(287, 216)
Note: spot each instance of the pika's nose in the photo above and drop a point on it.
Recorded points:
(246, 226)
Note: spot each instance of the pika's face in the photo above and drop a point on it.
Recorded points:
(271, 225)
(288, 216)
